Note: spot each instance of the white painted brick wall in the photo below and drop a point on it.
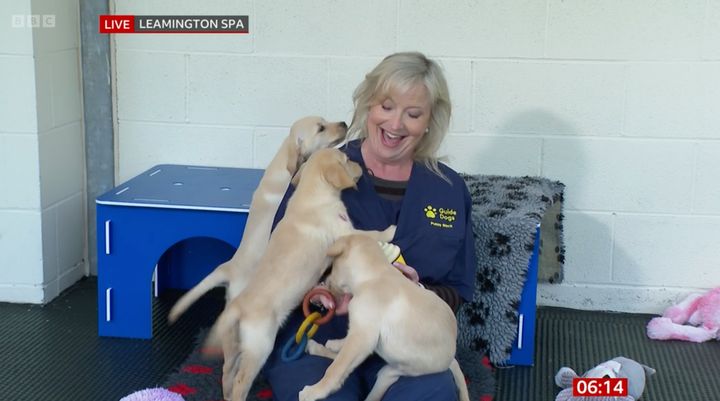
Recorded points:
(619, 100)
(144, 145)
(552, 98)
(665, 251)
(473, 28)
(672, 100)
(625, 30)
(476, 154)
(17, 99)
(707, 191)
(622, 174)
(42, 167)
(335, 28)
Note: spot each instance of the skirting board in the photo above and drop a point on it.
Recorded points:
(651, 300)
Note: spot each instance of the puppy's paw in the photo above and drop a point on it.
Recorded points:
(308, 393)
(335, 345)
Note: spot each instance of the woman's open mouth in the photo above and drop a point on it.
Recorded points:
(390, 140)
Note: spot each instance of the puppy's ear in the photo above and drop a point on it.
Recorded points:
(337, 248)
(338, 177)
(294, 158)
(296, 178)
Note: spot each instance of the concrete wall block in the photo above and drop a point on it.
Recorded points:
(666, 250)
(473, 28)
(344, 75)
(475, 154)
(711, 35)
(707, 190)
(622, 175)
(57, 80)
(151, 86)
(21, 247)
(50, 245)
(668, 100)
(17, 98)
(44, 99)
(458, 74)
(206, 43)
(15, 37)
(266, 143)
(19, 171)
(243, 90)
(65, 34)
(66, 96)
(548, 98)
(62, 163)
(625, 30)
(143, 145)
(588, 241)
(709, 75)
(343, 27)
(625, 298)
(71, 242)
(22, 294)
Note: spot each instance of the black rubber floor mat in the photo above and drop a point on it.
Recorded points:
(582, 339)
(53, 352)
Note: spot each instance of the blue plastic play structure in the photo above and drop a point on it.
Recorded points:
(184, 220)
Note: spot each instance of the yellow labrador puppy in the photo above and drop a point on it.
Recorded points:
(307, 135)
(411, 328)
(295, 259)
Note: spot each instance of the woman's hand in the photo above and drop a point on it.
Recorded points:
(408, 272)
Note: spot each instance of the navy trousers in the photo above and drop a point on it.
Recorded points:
(288, 378)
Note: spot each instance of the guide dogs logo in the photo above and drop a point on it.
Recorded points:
(440, 217)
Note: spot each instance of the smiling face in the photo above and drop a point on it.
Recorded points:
(396, 123)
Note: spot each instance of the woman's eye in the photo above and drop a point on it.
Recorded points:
(386, 107)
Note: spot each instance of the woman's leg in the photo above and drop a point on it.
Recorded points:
(288, 378)
(433, 387)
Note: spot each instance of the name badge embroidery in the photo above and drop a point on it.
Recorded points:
(440, 217)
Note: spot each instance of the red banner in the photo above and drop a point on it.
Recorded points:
(117, 23)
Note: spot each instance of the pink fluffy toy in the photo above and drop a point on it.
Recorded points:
(696, 318)
(153, 394)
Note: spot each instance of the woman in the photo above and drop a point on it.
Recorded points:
(402, 113)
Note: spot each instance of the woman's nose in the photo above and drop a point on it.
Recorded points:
(396, 121)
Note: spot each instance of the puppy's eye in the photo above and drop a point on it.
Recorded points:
(321, 129)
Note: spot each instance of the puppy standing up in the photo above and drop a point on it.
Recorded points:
(293, 263)
(307, 135)
(411, 328)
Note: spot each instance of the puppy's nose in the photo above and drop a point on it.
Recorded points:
(342, 124)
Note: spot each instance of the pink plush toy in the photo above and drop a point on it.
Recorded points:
(701, 312)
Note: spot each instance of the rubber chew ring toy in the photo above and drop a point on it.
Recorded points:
(303, 334)
(306, 305)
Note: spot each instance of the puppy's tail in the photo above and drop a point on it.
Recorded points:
(459, 377)
(212, 280)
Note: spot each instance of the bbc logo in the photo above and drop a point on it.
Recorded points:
(33, 21)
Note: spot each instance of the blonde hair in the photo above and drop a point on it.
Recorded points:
(401, 71)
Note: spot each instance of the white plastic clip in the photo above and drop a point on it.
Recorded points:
(520, 331)
(107, 237)
(107, 304)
